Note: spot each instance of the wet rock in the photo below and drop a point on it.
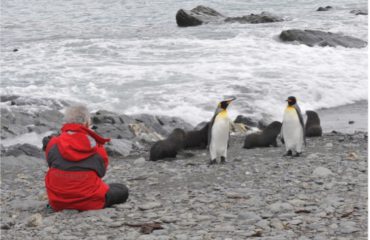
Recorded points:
(246, 121)
(139, 161)
(203, 15)
(277, 224)
(280, 207)
(224, 228)
(34, 220)
(263, 17)
(347, 227)
(318, 38)
(351, 122)
(321, 172)
(119, 147)
(23, 149)
(327, 8)
(163, 125)
(249, 217)
(150, 205)
(197, 16)
(329, 145)
(112, 125)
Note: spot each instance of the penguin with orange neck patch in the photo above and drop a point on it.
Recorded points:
(292, 130)
(219, 132)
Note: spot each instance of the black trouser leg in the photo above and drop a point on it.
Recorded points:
(117, 193)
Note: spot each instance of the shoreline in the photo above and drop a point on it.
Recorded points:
(338, 118)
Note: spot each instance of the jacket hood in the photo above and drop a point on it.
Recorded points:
(77, 142)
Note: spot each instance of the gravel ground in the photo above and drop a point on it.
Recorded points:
(258, 194)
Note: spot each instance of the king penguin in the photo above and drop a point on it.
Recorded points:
(292, 130)
(219, 132)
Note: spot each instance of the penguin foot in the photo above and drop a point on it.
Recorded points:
(211, 162)
(223, 160)
(288, 153)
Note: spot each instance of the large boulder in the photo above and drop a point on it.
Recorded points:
(112, 125)
(197, 16)
(318, 38)
(247, 121)
(23, 149)
(322, 9)
(202, 15)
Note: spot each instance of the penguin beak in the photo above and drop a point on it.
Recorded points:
(231, 99)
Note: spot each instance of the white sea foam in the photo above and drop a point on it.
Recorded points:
(129, 65)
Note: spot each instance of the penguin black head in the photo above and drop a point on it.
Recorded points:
(224, 104)
(291, 100)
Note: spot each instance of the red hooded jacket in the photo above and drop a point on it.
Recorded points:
(77, 161)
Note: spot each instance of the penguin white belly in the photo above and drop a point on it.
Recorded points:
(292, 131)
(220, 137)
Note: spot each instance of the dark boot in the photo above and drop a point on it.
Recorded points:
(223, 160)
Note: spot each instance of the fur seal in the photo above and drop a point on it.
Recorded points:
(265, 138)
(169, 147)
(313, 128)
(197, 139)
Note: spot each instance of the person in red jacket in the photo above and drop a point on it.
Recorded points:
(77, 161)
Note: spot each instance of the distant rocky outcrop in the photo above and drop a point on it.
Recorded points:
(319, 38)
(203, 15)
(322, 9)
(359, 12)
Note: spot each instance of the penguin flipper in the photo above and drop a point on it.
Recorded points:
(301, 121)
(210, 128)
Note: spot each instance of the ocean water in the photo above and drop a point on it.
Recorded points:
(130, 56)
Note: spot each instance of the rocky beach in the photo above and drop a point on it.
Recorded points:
(258, 193)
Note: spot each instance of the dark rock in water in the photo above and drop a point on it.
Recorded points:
(202, 15)
(197, 139)
(264, 17)
(246, 121)
(264, 139)
(7, 98)
(312, 126)
(351, 122)
(327, 8)
(318, 38)
(169, 147)
(359, 12)
(197, 16)
(15, 50)
(23, 149)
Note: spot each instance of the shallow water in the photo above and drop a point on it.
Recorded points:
(130, 56)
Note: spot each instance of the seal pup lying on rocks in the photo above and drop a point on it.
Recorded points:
(169, 147)
(313, 128)
(265, 138)
(197, 139)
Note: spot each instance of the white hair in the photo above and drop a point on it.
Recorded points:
(77, 114)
